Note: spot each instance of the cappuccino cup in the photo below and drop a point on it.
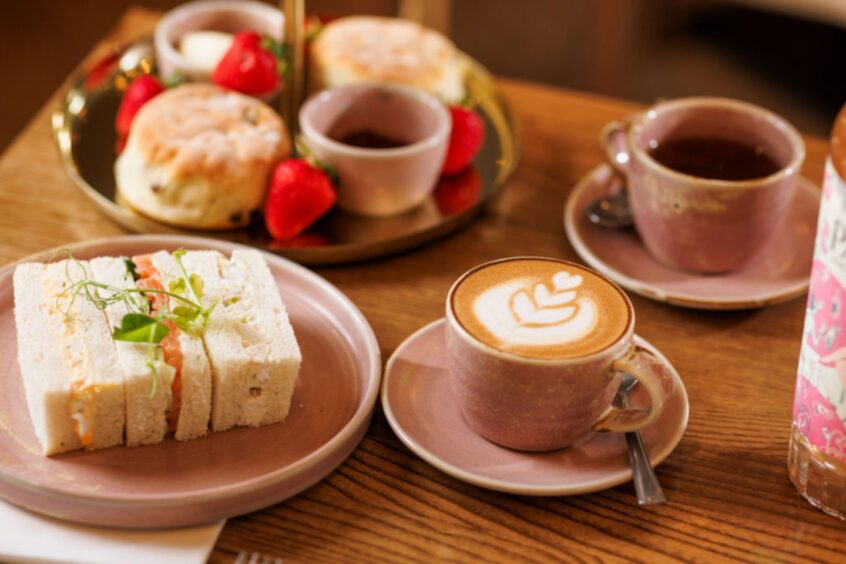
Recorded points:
(710, 180)
(536, 351)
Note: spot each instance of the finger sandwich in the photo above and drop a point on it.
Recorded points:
(174, 395)
(135, 349)
(250, 342)
(190, 408)
(74, 388)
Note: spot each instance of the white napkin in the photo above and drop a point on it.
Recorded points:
(28, 537)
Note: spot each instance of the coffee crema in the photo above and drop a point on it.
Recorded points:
(719, 159)
(541, 308)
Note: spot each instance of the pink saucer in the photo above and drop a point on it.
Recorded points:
(778, 272)
(225, 474)
(418, 402)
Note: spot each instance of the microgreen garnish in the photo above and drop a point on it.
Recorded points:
(139, 328)
(140, 325)
(177, 286)
(197, 284)
(130, 268)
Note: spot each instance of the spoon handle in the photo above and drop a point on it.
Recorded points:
(647, 488)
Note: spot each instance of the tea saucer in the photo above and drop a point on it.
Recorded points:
(418, 401)
(778, 272)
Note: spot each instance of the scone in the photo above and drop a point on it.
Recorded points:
(200, 156)
(367, 48)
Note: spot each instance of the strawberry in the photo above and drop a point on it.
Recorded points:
(101, 70)
(248, 66)
(465, 139)
(300, 193)
(140, 91)
(458, 193)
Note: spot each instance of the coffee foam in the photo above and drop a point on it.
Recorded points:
(541, 308)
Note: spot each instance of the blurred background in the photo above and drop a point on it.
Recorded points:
(787, 55)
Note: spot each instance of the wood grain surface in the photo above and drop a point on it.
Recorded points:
(729, 496)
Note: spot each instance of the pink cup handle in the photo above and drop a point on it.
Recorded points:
(614, 141)
(656, 380)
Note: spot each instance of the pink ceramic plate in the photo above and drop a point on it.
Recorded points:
(224, 474)
(419, 404)
(778, 272)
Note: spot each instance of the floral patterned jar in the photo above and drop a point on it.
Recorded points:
(817, 456)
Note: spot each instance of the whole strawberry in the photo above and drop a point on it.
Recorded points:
(300, 193)
(248, 67)
(140, 91)
(465, 139)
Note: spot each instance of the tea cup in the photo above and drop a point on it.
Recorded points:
(700, 223)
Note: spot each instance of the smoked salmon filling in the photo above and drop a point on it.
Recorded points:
(149, 278)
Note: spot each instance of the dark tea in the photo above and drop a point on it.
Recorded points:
(368, 139)
(719, 159)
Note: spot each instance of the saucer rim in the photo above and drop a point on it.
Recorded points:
(515, 487)
(653, 292)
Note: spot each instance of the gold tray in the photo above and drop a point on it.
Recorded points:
(83, 126)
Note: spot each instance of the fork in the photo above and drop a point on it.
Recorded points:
(245, 557)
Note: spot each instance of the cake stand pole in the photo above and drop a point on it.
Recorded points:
(294, 87)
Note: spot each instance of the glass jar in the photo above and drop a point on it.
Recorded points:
(817, 456)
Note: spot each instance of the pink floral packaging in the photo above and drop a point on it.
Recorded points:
(819, 411)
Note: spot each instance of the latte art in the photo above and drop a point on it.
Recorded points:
(543, 308)
(521, 313)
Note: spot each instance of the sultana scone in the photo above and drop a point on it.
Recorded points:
(200, 156)
(368, 48)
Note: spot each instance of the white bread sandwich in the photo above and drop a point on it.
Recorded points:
(190, 405)
(369, 48)
(254, 355)
(137, 349)
(74, 389)
(148, 388)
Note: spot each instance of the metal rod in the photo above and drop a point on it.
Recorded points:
(294, 88)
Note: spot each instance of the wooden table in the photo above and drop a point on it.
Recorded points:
(730, 498)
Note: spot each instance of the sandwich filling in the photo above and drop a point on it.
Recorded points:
(78, 362)
(151, 279)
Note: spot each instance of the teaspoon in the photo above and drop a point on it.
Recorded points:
(611, 211)
(647, 488)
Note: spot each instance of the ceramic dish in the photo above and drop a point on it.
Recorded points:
(380, 182)
(229, 16)
(84, 130)
(777, 273)
(419, 404)
(225, 474)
